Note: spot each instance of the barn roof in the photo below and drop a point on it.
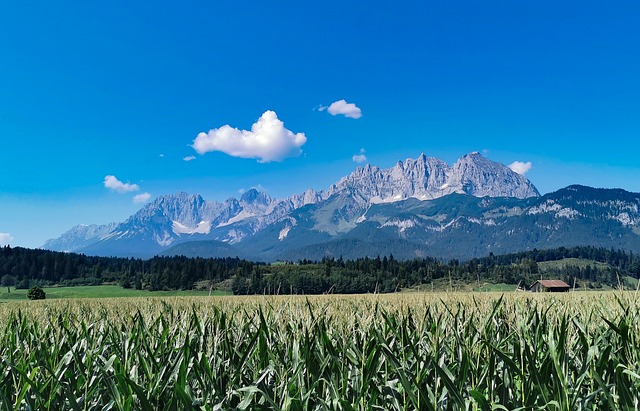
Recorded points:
(553, 284)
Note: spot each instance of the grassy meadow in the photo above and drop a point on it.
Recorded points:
(100, 291)
(423, 351)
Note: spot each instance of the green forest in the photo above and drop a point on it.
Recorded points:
(22, 268)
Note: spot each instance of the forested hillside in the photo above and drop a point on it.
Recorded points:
(23, 267)
(387, 274)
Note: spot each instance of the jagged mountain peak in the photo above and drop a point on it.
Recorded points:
(174, 218)
(478, 176)
(172, 204)
(172, 201)
(366, 169)
(253, 196)
(475, 159)
(429, 178)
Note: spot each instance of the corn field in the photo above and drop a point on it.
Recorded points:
(579, 351)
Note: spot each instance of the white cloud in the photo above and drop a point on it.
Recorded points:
(267, 141)
(141, 198)
(360, 158)
(112, 183)
(189, 158)
(344, 108)
(5, 238)
(520, 167)
(161, 155)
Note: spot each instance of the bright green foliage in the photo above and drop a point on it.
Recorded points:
(571, 352)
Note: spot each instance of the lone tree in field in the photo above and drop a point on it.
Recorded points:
(36, 293)
(8, 281)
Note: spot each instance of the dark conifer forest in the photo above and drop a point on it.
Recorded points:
(22, 267)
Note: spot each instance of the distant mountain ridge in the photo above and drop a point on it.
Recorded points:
(457, 226)
(79, 237)
(428, 178)
(453, 226)
(420, 206)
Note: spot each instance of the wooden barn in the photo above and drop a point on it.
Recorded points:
(549, 286)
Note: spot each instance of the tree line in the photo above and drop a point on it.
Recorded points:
(387, 274)
(24, 267)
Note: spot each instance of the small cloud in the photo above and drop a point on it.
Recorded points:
(5, 239)
(520, 167)
(346, 109)
(141, 198)
(112, 183)
(161, 155)
(189, 158)
(320, 107)
(360, 158)
(241, 191)
(485, 151)
(267, 140)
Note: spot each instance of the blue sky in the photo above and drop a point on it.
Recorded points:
(123, 89)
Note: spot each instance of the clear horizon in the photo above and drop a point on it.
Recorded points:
(105, 108)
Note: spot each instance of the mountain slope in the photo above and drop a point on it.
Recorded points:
(461, 226)
(79, 237)
(174, 219)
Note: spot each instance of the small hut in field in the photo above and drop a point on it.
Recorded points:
(549, 286)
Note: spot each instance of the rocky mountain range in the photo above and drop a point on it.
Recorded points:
(427, 178)
(80, 236)
(419, 207)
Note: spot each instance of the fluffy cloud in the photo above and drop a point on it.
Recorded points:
(360, 158)
(267, 141)
(189, 158)
(112, 183)
(5, 238)
(141, 198)
(344, 108)
(520, 167)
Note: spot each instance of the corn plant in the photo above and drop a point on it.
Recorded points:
(395, 352)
